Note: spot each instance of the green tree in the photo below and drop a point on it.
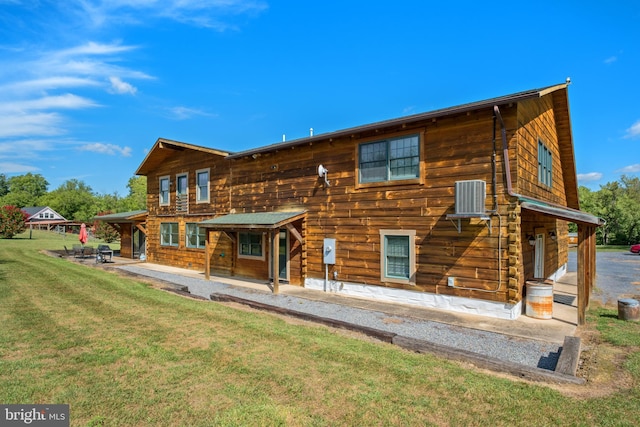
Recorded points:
(25, 190)
(137, 198)
(4, 185)
(12, 221)
(74, 200)
(104, 231)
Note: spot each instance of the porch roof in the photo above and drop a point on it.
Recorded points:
(131, 216)
(566, 214)
(252, 221)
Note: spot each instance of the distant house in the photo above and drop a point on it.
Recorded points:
(455, 208)
(43, 217)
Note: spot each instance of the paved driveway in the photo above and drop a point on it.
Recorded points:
(617, 275)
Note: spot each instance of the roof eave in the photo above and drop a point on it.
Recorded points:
(463, 108)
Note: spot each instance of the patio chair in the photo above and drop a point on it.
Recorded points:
(87, 252)
(77, 251)
(102, 253)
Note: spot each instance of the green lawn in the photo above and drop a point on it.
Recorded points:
(121, 352)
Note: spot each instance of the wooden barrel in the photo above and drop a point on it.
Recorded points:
(539, 301)
(628, 309)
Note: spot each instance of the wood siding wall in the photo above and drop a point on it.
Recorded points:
(487, 259)
(537, 121)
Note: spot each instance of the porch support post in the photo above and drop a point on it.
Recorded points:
(207, 257)
(586, 269)
(275, 240)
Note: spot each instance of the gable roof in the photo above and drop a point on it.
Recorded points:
(165, 148)
(33, 211)
(488, 103)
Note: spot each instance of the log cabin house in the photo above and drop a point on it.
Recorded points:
(455, 208)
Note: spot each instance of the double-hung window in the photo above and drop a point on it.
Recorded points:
(169, 234)
(251, 245)
(195, 236)
(545, 161)
(202, 186)
(164, 191)
(397, 256)
(390, 160)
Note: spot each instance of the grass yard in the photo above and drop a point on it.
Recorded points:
(123, 353)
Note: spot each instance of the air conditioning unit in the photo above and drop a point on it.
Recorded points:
(470, 196)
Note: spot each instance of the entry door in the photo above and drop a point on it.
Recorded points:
(283, 258)
(539, 257)
(138, 241)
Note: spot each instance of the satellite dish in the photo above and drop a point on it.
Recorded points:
(322, 173)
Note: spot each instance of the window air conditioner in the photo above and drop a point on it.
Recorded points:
(470, 197)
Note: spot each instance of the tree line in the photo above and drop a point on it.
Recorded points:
(74, 199)
(618, 203)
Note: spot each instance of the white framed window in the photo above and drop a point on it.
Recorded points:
(202, 185)
(196, 236)
(391, 159)
(169, 234)
(164, 191)
(398, 256)
(251, 245)
(545, 162)
(182, 192)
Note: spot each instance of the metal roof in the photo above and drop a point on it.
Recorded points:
(566, 214)
(256, 220)
(121, 216)
(164, 148)
(520, 96)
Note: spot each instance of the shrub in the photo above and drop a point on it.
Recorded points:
(12, 221)
(104, 231)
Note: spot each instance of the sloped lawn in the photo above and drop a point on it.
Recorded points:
(123, 353)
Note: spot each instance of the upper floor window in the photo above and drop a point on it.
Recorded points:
(202, 185)
(390, 159)
(182, 193)
(251, 245)
(545, 161)
(195, 236)
(164, 190)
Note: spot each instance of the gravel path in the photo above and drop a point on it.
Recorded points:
(530, 353)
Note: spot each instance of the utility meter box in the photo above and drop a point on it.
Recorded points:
(329, 252)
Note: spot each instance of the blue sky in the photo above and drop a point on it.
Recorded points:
(87, 86)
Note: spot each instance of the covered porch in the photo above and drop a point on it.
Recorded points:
(264, 245)
(586, 247)
(131, 226)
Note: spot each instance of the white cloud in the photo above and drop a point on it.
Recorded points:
(66, 101)
(9, 167)
(634, 130)
(37, 124)
(110, 149)
(120, 87)
(588, 177)
(214, 14)
(611, 60)
(630, 169)
(183, 113)
(29, 148)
